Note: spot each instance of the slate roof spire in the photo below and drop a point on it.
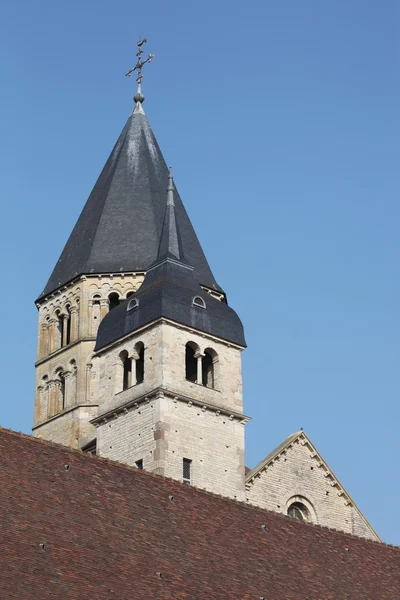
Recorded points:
(120, 227)
(168, 291)
(170, 242)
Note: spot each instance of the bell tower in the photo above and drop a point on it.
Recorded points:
(168, 363)
(115, 240)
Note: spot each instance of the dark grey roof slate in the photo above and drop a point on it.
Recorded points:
(170, 300)
(168, 291)
(120, 226)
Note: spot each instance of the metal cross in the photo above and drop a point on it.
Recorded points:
(139, 65)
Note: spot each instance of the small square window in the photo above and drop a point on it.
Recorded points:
(139, 464)
(187, 464)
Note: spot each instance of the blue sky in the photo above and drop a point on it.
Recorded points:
(281, 122)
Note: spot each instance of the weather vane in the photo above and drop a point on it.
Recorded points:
(138, 67)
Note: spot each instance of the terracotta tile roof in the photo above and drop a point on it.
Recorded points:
(108, 530)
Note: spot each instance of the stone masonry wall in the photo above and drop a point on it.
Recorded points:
(164, 431)
(297, 474)
(83, 304)
(164, 366)
(72, 428)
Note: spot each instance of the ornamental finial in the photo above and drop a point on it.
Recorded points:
(138, 97)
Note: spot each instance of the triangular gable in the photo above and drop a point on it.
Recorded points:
(280, 451)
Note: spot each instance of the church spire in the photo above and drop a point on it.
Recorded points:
(120, 227)
(170, 242)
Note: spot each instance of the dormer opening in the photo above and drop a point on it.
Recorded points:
(134, 303)
(199, 302)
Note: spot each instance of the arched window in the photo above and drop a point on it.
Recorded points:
(198, 301)
(129, 294)
(127, 371)
(61, 389)
(134, 303)
(68, 325)
(191, 362)
(59, 330)
(95, 313)
(300, 508)
(139, 350)
(113, 299)
(209, 368)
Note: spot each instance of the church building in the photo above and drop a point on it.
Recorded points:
(139, 353)
(136, 469)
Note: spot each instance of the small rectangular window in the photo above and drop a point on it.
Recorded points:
(187, 470)
(139, 464)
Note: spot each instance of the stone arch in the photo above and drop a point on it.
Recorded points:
(95, 312)
(126, 371)
(199, 302)
(138, 363)
(192, 352)
(301, 507)
(114, 300)
(58, 329)
(210, 368)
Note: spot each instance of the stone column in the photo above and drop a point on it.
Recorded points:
(39, 404)
(52, 399)
(52, 324)
(67, 389)
(199, 357)
(64, 330)
(119, 376)
(104, 304)
(134, 358)
(43, 340)
(88, 381)
(74, 322)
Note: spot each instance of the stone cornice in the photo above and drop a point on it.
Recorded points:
(61, 350)
(72, 282)
(61, 414)
(207, 336)
(162, 393)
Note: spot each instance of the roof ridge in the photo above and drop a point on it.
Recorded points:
(143, 473)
